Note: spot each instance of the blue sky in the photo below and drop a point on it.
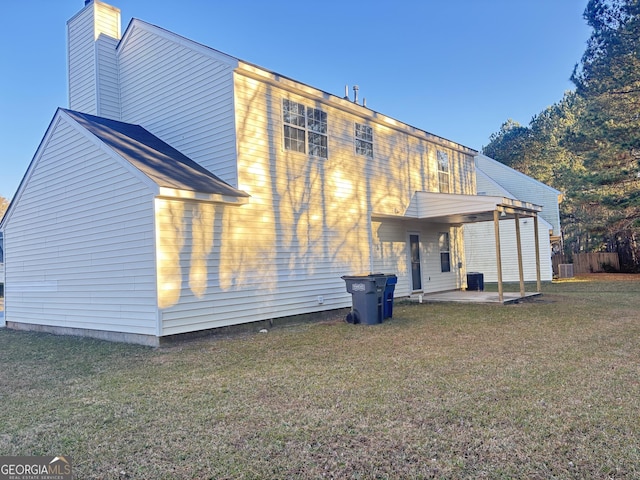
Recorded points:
(455, 68)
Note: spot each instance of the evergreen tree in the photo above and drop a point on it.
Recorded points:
(588, 144)
(608, 79)
(509, 145)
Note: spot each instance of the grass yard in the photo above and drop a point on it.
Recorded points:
(543, 389)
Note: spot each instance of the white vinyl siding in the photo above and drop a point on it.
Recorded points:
(248, 278)
(495, 178)
(182, 93)
(108, 91)
(524, 188)
(308, 221)
(81, 241)
(81, 57)
(391, 255)
(480, 250)
(92, 68)
(107, 20)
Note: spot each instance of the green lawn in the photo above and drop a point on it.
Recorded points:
(543, 389)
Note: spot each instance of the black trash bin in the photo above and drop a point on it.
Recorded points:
(475, 281)
(387, 294)
(366, 296)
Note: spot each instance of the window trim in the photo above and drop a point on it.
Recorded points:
(361, 139)
(441, 154)
(290, 125)
(445, 253)
(311, 125)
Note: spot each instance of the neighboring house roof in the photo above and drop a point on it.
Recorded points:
(159, 161)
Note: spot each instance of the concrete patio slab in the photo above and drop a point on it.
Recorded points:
(466, 296)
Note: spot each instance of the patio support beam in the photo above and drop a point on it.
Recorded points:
(535, 232)
(519, 248)
(496, 227)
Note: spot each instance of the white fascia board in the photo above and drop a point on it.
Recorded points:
(174, 193)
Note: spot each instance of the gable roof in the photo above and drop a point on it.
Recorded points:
(136, 23)
(496, 188)
(159, 161)
(263, 74)
(483, 162)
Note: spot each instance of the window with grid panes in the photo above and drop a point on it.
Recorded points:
(443, 171)
(364, 140)
(445, 254)
(305, 129)
(294, 126)
(317, 131)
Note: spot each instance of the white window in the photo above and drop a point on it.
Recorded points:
(302, 122)
(443, 171)
(445, 255)
(364, 140)
(317, 127)
(294, 126)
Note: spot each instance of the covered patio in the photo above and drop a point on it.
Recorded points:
(458, 210)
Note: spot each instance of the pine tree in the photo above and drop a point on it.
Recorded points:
(608, 79)
(588, 144)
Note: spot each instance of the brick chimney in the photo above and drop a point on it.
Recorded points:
(92, 37)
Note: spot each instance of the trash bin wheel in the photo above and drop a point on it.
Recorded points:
(352, 317)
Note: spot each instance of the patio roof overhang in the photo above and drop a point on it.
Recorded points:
(457, 209)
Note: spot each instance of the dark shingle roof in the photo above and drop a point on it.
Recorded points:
(162, 163)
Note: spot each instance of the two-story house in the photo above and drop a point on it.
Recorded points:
(185, 189)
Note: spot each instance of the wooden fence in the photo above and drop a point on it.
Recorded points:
(588, 262)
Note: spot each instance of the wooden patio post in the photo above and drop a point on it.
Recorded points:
(519, 247)
(496, 227)
(535, 232)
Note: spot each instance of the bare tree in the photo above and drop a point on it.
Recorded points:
(4, 204)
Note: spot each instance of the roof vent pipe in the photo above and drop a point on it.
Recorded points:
(355, 93)
(346, 92)
(364, 102)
